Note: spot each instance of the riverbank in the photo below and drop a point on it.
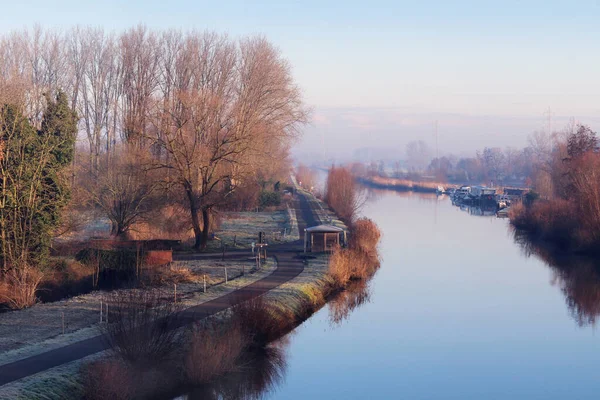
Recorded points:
(45, 333)
(559, 223)
(295, 298)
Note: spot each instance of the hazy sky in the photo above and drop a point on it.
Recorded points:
(491, 64)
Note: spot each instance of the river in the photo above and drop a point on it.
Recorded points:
(460, 309)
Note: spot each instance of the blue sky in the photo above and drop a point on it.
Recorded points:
(502, 59)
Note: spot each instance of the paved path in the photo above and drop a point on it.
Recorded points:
(288, 267)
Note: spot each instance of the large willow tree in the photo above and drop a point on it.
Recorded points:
(228, 109)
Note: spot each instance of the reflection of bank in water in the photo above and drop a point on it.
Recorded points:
(344, 303)
(578, 277)
(262, 370)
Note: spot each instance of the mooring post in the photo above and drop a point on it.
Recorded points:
(204, 279)
(225, 274)
(63, 323)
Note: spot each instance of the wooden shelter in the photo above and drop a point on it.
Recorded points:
(323, 237)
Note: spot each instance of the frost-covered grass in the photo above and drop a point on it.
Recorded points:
(310, 287)
(38, 329)
(242, 228)
(66, 382)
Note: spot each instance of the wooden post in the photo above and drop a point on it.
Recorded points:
(63, 323)
(175, 293)
(325, 241)
(107, 313)
(101, 311)
(204, 279)
(225, 274)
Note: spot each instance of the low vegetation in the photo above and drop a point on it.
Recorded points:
(143, 365)
(569, 215)
(360, 260)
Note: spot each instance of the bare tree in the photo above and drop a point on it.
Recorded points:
(123, 191)
(139, 79)
(98, 89)
(229, 104)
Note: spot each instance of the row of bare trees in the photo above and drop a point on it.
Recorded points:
(192, 116)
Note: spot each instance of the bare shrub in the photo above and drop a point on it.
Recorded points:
(343, 194)
(215, 349)
(114, 378)
(554, 220)
(142, 326)
(108, 379)
(361, 259)
(365, 235)
(18, 286)
(261, 321)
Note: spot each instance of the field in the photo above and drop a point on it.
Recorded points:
(240, 229)
(39, 328)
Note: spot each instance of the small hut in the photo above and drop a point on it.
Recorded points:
(323, 238)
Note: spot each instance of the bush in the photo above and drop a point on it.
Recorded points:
(261, 322)
(554, 220)
(215, 349)
(365, 235)
(269, 199)
(18, 286)
(530, 198)
(361, 259)
(142, 326)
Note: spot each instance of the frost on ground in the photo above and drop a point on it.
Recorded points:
(64, 382)
(242, 228)
(38, 329)
(323, 213)
(312, 283)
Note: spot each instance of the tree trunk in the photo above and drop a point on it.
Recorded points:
(195, 218)
(196, 227)
(205, 227)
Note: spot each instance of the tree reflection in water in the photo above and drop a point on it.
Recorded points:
(344, 303)
(577, 276)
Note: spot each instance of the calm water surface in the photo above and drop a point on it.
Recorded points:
(459, 310)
